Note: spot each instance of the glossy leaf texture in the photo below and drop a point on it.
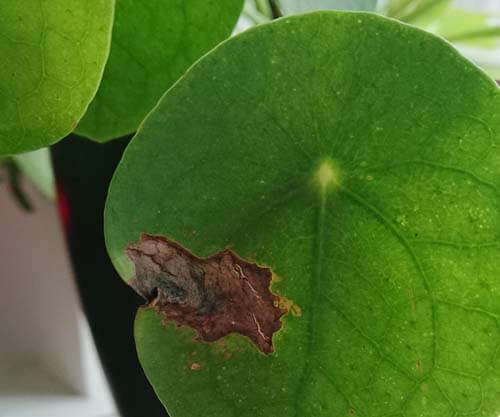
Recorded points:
(53, 55)
(301, 6)
(154, 42)
(359, 159)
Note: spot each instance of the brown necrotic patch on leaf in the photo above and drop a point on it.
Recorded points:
(216, 296)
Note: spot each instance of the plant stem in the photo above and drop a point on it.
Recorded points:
(276, 12)
(14, 182)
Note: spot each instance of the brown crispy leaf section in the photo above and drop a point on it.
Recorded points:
(215, 296)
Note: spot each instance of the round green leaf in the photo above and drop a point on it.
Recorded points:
(359, 159)
(53, 55)
(154, 42)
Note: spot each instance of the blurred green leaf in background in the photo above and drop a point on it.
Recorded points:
(301, 6)
(473, 26)
(154, 42)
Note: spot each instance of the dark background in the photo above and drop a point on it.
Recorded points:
(83, 171)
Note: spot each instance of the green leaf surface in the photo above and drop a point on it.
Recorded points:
(362, 165)
(300, 6)
(154, 42)
(53, 55)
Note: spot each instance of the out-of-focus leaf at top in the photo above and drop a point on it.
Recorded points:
(301, 6)
(474, 27)
(154, 42)
(417, 12)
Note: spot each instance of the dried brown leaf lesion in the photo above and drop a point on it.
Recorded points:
(216, 296)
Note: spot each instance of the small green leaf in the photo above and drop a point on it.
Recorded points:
(37, 166)
(53, 55)
(359, 159)
(154, 42)
(300, 6)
